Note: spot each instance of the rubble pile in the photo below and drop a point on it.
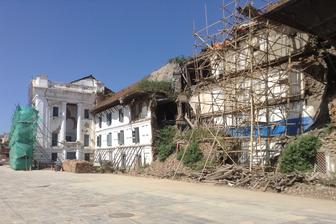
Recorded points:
(241, 177)
(168, 168)
(329, 145)
(332, 110)
(77, 166)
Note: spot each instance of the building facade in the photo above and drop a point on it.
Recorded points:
(65, 127)
(255, 88)
(126, 122)
(124, 134)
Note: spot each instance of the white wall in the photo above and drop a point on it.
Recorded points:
(145, 133)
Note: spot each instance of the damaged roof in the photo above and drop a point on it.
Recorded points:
(83, 78)
(115, 98)
(316, 17)
(162, 74)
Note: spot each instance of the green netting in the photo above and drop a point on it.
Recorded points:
(22, 137)
(21, 156)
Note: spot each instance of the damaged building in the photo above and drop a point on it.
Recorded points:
(65, 127)
(258, 77)
(256, 82)
(126, 122)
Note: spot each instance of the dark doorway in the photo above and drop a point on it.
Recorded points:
(87, 157)
(166, 113)
(54, 156)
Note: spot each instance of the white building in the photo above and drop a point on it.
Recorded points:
(4, 138)
(65, 127)
(126, 123)
(121, 137)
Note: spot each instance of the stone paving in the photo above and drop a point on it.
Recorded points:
(59, 197)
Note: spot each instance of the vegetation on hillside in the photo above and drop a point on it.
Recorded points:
(165, 142)
(191, 155)
(154, 86)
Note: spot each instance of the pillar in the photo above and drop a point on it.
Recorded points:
(77, 154)
(79, 122)
(64, 154)
(62, 133)
(40, 129)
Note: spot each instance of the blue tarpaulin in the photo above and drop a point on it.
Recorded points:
(278, 128)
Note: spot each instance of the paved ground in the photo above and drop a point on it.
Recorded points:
(50, 197)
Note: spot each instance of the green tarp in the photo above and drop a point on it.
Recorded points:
(22, 138)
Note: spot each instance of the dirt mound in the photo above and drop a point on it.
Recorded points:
(167, 168)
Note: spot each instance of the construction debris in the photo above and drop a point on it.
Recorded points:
(241, 177)
(167, 169)
(332, 110)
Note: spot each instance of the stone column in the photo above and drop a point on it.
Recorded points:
(64, 155)
(77, 154)
(79, 122)
(41, 131)
(45, 123)
(62, 133)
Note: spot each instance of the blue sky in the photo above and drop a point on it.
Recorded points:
(117, 41)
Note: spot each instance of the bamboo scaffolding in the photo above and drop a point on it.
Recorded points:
(246, 73)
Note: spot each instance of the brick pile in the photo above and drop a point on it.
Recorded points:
(77, 166)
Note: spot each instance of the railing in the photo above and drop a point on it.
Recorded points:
(72, 86)
(121, 157)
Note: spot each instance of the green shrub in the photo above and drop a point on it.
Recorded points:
(153, 86)
(165, 142)
(299, 155)
(192, 155)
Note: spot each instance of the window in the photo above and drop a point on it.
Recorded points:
(55, 111)
(54, 139)
(54, 156)
(138, 111)
(121, 137)
(109, 118)
(71, 155)
(100, 120)
(294, 79)
(109, 139)
(99, 140)
(68, 138)
(86, 140)
(136, 135)
(86, 114)
(121, 115)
